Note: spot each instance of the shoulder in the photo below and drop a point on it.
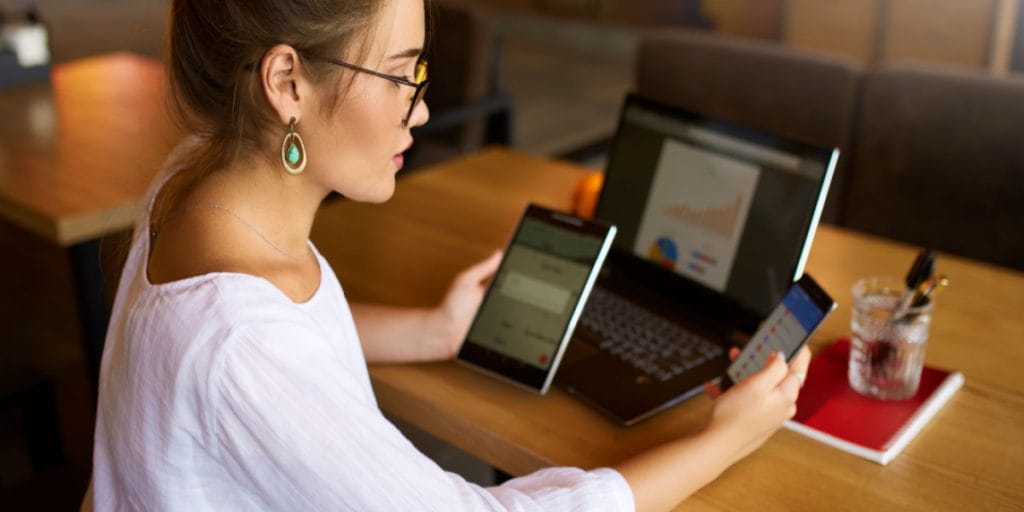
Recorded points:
(194, 334)
(194, 244)
(277, 348)
(212, 312)
(179, 344)
(191, 244)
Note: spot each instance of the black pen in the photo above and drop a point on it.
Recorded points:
(920, 272)
(928, 289)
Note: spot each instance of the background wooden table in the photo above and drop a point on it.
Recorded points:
(440, 220)
(76, 155)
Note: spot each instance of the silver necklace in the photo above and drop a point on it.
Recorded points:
(215, 206)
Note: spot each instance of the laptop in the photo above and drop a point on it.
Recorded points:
(715, 223)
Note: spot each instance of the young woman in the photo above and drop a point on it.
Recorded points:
(234, 375)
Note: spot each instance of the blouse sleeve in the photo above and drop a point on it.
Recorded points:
(293, 428)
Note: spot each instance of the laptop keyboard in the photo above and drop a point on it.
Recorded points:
(653, 345)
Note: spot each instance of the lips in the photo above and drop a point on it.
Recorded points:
(399, 159)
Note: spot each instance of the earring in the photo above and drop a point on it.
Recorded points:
(293, 151)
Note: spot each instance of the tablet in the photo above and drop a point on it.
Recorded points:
(535, 298)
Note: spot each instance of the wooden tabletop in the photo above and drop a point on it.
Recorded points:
(970, 456)
(78, 152)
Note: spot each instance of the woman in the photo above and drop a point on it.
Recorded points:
(234, 375)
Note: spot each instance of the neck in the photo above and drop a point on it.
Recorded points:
(281, 207)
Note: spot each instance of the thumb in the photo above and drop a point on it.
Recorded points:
(773, 372)
(482, 269)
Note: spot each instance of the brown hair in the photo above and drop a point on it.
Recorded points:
(214, 50)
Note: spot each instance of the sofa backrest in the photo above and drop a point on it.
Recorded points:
(464, 57)
(804, 95)
(938, 161)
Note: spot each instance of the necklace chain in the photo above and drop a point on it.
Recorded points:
(215, 206)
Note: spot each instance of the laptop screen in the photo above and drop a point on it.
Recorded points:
(724, 207)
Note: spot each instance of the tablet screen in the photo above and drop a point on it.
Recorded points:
(534, 297)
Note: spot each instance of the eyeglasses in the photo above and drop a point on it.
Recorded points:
(420, 82)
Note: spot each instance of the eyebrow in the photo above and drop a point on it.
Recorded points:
(411, 52)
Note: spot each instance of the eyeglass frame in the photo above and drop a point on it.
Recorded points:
(417, 95)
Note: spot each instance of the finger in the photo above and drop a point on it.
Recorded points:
(774, 371)
(791, 411)
(734, 352)
(790, 386)
(801, 361)
(711, 389)
(482, 269)
(802, 377)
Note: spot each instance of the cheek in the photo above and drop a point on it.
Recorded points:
(366, 122)
(367, 135)
(358, 143)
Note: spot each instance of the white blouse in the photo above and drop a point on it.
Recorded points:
(217, 392)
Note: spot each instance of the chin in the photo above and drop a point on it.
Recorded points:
(376, 195)
(376, 186)
(383, 198)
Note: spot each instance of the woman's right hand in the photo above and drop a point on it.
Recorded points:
(742, 419)
(752, 410)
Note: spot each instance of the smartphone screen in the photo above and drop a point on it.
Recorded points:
(786, 329)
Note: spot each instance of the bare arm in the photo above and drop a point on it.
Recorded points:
(391, 334)
(742, 420)
(664, 476)
(398, 335)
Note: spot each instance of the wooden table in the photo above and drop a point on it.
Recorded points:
(970, 457)
(76, 155)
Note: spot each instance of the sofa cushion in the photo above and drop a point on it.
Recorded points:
(804, 95)
(939, 157)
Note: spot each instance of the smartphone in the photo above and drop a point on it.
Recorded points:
(532, 304)
(786, 330)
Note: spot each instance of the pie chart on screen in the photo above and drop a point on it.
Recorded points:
(664, 252)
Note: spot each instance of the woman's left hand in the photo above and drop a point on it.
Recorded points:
(462, 301)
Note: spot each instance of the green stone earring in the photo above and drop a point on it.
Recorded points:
(293, 151)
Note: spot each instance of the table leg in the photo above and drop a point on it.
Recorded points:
(93, 313)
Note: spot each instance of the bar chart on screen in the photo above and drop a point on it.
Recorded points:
(720, 221)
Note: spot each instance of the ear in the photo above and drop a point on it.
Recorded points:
(284, 82)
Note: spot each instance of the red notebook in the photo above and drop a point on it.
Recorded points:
(830, 411)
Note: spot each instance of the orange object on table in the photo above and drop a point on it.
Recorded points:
(584, 198)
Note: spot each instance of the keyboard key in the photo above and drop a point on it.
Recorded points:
(655, 346)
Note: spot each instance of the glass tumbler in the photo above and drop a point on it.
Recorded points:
(886, 354)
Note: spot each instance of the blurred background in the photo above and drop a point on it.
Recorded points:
(547, 77)
(577, 56)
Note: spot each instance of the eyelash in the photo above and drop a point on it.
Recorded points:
(398, 86)
(399, 73)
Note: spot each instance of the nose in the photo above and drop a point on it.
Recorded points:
(420, 114)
